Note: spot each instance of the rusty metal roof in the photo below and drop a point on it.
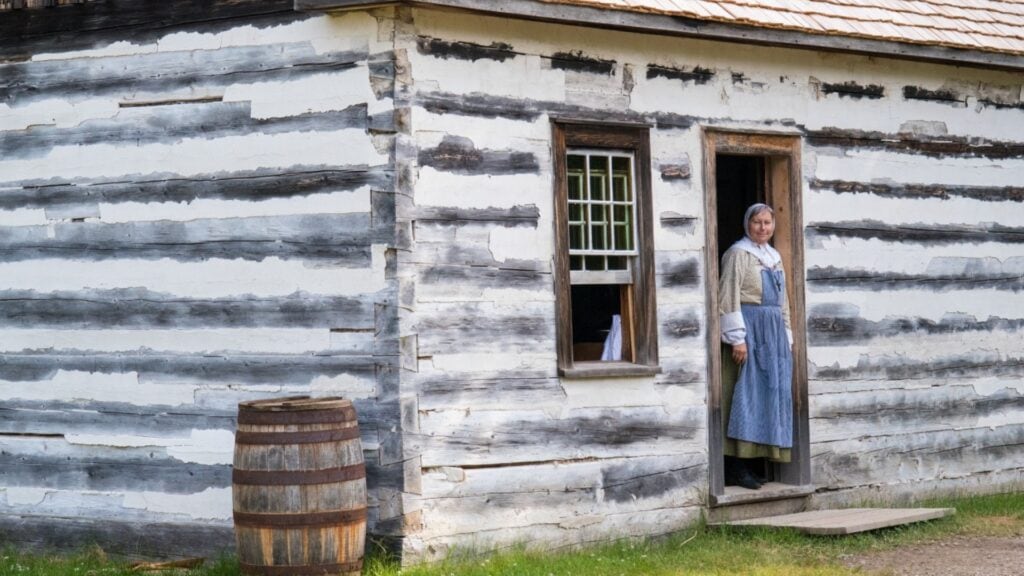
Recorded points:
(985, 25)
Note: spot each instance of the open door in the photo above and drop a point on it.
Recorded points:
(740, 169)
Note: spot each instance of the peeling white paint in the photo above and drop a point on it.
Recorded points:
(23, 217)
(257, 340)
(213, 278)
(210, 504)
(824, 206)
(875, 305)
(56, 113)
(211, 447)
(66, 385)
(120, 48)
(345, 385)
(521, 243)
(891, 167)
(345, 202)
(905, 258)
(610, 392)
(326, 34)
(435, 188)
(486, 133)
(523, 76)
(994, 384)
(25, 496)
(493, 362)
(199, 155)
(315, 93)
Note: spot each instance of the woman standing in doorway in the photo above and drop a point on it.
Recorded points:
(757, 366)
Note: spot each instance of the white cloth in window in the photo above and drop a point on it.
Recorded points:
(613, 342)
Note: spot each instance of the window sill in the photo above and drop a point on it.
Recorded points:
(607, 370)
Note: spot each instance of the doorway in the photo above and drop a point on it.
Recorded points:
(741, 169)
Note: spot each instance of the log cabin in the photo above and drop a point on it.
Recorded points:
(205, 202)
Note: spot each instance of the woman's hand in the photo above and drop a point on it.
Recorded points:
(739, 353)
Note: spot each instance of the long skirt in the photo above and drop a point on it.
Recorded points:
(742, 448)
(758, 396)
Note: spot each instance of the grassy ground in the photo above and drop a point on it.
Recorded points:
(698, 551)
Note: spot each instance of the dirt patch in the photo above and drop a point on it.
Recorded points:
(957, 556)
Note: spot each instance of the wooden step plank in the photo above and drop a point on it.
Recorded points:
(771, 491)
(846, 521)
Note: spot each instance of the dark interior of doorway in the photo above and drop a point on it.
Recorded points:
(739, 182)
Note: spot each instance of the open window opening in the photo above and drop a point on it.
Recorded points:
(604, 273)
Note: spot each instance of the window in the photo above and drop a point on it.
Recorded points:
(604, 273)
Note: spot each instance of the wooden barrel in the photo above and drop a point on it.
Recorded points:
(299, 487)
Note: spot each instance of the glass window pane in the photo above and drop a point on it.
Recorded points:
(621, 214)
(575, 184)
(622, 170)
(619, 189)
(617, 263)
(595, 262)
(575, 262)
(623, 238)
(598, 213)
(597, 187)
(576, 162)
(599, 178)
(597, 237)
(576, 237)
(575, 212)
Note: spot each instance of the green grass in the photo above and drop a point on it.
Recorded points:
(698, 551)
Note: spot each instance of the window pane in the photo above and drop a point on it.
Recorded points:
(575, 262)
(598, 213)
(621, 214)
(623, 238)
(617, 263)
(598, 177)
(575, 186)
(597, 237)
(575, 212)
(595, 263)
(576, 237)
(622, 174)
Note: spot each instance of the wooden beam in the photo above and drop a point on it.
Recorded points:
(692, 28)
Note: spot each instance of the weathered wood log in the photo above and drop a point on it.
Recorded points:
(98, 24)
(141, 308)
(163, 73)
(343, 239)
(251, 368)
(928, 234)
(299, 487)
(912, 191)
(243, 185)
(172, 123)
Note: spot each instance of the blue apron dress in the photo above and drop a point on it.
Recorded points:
(762, 402)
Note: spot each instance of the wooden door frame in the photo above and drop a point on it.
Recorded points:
(784, 191)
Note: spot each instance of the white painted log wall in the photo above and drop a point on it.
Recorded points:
(483, 489)
(74, 406)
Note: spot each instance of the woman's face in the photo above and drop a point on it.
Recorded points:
(761, 227)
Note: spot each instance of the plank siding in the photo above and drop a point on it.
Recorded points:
(185, 236)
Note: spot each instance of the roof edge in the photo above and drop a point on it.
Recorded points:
(693, 28)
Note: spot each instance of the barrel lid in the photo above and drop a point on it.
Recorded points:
(295, 403)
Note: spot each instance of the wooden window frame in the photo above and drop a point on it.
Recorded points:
(639, 301)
